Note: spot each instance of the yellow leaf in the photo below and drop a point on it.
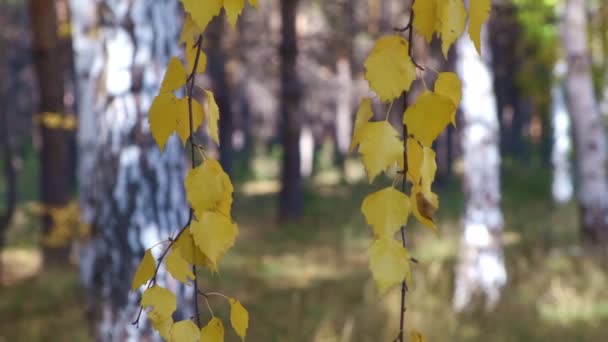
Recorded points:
(428, 117)
(175, 76)
(160, 299)
(213, 115)
(389, 262)
(363, 116)
(386, 211)
(253, 3)
(184, 331)
(425, 18)
(389, 69)
(424, 207)
(416, 336)
(183, 118)
(376, 137)
(453, 18)
(208, 187)
(162, 323)
(187, 249)
(414, 160)
(178, 267)
(214, 234)
(189, 31)
(202, 11)
(233, 10)
(239, 318)
(427, 171)
(448, 84)
(191, 51)
(162, 117)
(145, 270)
(479, 11)
(213, 331)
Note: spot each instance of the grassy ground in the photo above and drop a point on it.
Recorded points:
(309, 281)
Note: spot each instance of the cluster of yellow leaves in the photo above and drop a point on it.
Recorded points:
(211, 231)
(390, 72)
(66, 223)
(447, 18)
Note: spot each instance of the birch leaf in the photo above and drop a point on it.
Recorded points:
(363, 116)
(175, 76)
(184, 331)
(162, 324)
(214, 234)
(145, 270)
(189, 30)
(453, 17)
(202, 11)
(239, 318)
(416, 336)
(389, 69)
(162, 117)
(183, 118)
(191, 50)
(213, 115)
(178, 266)
(389, 262)
(188, 250)
(424, 207)
(375, 137)
(386, 211)
(162, 301)
(213, 331)
(428, 117)
(208, 187)
(479, 11)
(448, 84)
(414, 160)
(233, 10)
(425, 18)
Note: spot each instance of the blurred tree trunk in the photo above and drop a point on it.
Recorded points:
(562, 187)
(216, 57)
(290, 199)
(131, 194)
(589, 132)
(55, 186)
(480, 272)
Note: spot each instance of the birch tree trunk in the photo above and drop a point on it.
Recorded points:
(480, 270)
(131, 193)
(561, 187)
(588, 125)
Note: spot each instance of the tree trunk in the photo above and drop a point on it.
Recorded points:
(562, 187)
(216, 57)
(290, 205)
(131, 193)
(480, 271)
(55, 186)
(589, 132)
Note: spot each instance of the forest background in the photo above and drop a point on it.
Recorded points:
(521, 254)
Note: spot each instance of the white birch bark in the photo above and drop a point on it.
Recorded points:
(480, 269)
(561, 186)
(589, 134)
(131, 193)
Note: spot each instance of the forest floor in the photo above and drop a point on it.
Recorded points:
(309, 281)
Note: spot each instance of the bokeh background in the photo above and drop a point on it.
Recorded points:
(521, 178)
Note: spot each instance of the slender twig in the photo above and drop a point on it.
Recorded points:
(191, 80)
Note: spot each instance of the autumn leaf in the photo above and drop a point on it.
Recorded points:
(188, 250)
(191, 50)
(214, 234)
(414, 160)
(162, 324)
(233, 10)
(175, 76)
(416, 336)
(386, 211)
(389, 262)
(479, 11)
(389, 69)
(425, 18)
(375, 137)
(363, 116)
(239, 318)
(428, 117)
(202, 11)
(183, 118)
(453, 17)
(213, 115)
(162, 117)
(145, 270)
(448, 84)
(178, 266)
(189, 31)
(424, 207)
(162, 301)
(213, 331)
(184, 331)
(208, 187)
